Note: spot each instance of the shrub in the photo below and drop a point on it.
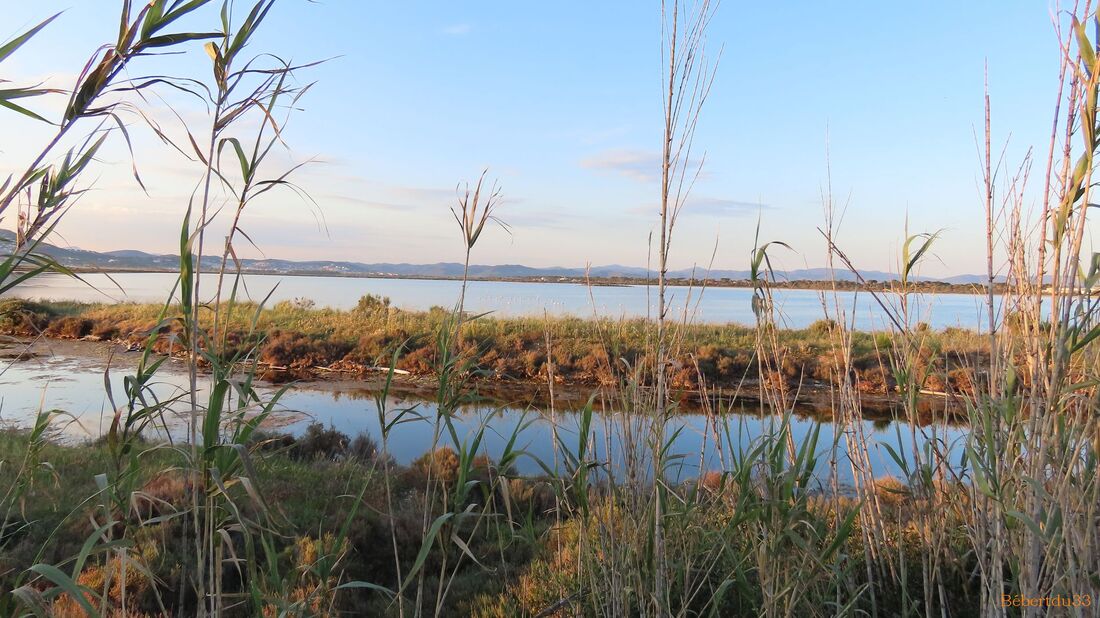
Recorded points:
(370, 303)
(24, 318)
(419, 362)
(363, 448)
(297, 351)
(318, 443)
(105, 330)
(443, 467)
(70, 328)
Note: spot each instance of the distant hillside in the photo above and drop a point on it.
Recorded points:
(128, 259)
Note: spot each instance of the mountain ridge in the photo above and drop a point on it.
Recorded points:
(133, 259)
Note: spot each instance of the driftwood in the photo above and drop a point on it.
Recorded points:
(396, 371)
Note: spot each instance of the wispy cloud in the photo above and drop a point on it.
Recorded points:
(641, 165)
(459, 29)
(359, 193)
(720, 207)
(637, 164)
(710, 207)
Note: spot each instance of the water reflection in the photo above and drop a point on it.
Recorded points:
(77, 387)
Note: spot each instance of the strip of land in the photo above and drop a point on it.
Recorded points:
(700, 281)
(518, 355)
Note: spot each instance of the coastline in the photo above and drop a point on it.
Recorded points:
(921, 287)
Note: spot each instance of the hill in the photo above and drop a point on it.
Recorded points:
(133, 260)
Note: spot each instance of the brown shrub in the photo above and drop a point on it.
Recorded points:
(773, 379)
(533, 363)
(420, 361)
(961, 380)
(713, 481)
(115, 578)
(795, 366)
(161, 494)
(521, 342)
(168, 339)
(826, 366)
(306, 589)
(934, 382)
(564, 362)
(105, 330)
(297, 351)
(734, 368)
(891, 491)
(446, 467)
(875, 380)
(69, 327)
(708, 357)
(595, 366)
(531, 496)
(685, 375)
(505, 366)
(443, 467)
(488, 359)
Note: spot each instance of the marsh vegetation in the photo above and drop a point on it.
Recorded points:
(234, 520)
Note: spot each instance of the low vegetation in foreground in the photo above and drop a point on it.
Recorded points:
(322, 496)
(325, 499)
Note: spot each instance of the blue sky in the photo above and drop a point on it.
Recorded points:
(561, 101)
